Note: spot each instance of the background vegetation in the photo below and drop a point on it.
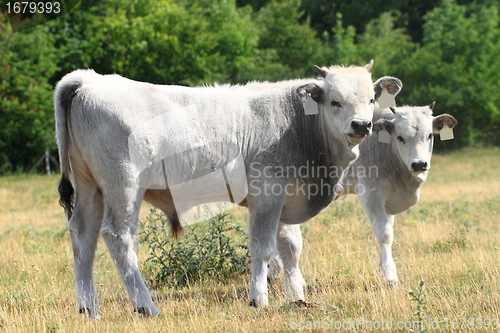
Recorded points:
(447, 51)
(450, 239)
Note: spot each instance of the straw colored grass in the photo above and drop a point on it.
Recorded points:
(450, 239)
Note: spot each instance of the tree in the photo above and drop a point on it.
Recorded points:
(162, 42)
(386, 44)
(27, 61)
(358, 13)
(286, 48)
(459, 67)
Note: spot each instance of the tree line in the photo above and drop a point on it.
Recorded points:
(446, 51)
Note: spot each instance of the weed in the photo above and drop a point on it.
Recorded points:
(50, 328)
(205, 251)
(455, 240)
(417, 295)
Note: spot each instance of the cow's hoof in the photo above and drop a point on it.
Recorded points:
(391, 284)
(307, 305)
(256, 304)
(92, 315)
(147, 312)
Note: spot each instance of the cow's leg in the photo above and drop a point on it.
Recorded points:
(289, 244)
(262, 229)
(84, 227)
(382, 225)
(118, 230)
(275, 265)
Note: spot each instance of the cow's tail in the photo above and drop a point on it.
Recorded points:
(63, 97)
(176, 229)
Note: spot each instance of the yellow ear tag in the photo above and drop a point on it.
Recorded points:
(384, 136)
(446, 133)
(386, 100)
(310, 106)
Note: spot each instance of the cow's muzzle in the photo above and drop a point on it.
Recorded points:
(359, 129)
(419, 166)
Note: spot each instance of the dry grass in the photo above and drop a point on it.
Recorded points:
(451, 240)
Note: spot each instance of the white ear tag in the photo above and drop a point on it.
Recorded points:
(310, 106)
(386, 100)
(384, 136)
(446, 133)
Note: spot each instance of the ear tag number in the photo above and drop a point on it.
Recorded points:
(446, 133)
(386, 100)
(384, 137)
(310, 106)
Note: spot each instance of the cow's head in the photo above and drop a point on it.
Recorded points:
(346, 98)
(412, 131)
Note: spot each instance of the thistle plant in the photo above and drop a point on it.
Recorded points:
(417, 295)
(212, 249)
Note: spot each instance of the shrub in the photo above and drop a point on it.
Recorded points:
(207, 250)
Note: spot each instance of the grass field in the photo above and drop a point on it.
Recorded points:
(450, 239)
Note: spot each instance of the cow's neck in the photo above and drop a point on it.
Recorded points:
(321, 149)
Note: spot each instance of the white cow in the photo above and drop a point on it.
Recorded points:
(128, 141)
(386, 177)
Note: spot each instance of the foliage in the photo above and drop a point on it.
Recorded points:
(442, 51)
(27, 62)
(458, 67)
(359, 13)
(164, 42)
(341, 47)
(205, 251)
(378, 41)
(287, 48)
(295, 43)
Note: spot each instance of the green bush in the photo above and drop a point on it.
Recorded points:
(208, 250)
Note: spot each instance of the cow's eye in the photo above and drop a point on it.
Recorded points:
(335, 103)
(372, 101)
(400, 138)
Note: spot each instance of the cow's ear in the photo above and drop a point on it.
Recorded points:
(382, 124)
(369, 66)
(392, 84)
(320, 71)
(441, 120)
(312, 89)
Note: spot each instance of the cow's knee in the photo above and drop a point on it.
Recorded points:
(275, 266)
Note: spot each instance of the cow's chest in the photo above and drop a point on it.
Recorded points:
(401, 198)
(306, 200)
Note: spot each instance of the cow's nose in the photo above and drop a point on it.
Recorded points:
(419, 166)
(361, 126)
